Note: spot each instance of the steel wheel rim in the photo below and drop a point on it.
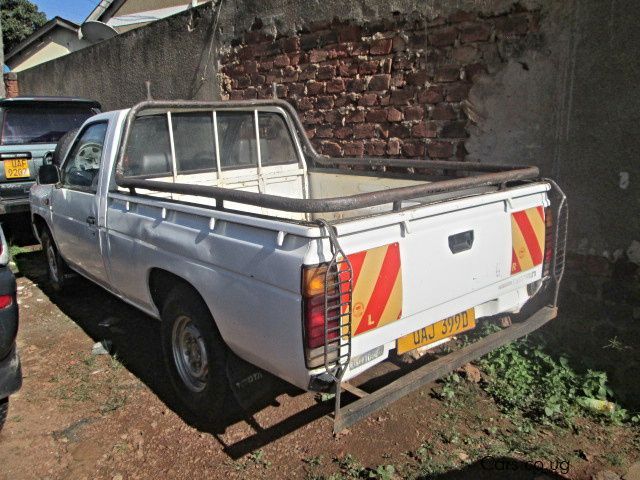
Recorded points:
(189, 354)
(51, 261)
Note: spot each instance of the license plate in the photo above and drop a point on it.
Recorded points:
(17, 168)
(458, 323)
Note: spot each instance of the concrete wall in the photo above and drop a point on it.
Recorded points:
(559, 95)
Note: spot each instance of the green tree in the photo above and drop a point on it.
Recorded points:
(19, 19)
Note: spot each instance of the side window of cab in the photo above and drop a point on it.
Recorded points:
(82, 165)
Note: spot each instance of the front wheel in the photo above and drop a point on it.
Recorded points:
(56, 267)
(194, 353)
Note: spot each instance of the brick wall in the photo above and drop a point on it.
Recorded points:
(395, 87)
(11, 85)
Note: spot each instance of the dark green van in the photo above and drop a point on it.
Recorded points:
(30, 127)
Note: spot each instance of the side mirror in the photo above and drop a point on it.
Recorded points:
(48, 158)
(48, 174)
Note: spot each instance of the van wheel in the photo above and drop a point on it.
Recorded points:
(56, 267)
(4, 409)
(194, 353)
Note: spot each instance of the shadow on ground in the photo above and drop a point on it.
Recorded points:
(135, 340)
(494, 468)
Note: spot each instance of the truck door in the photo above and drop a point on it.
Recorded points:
(75, 203)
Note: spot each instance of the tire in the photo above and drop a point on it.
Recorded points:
(56, 266)
(4, 410)
(195, 354)
(63, 145)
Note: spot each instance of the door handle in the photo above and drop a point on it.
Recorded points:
(91, 220)
(461, 242)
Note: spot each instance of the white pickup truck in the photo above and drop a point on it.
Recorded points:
(221, 220)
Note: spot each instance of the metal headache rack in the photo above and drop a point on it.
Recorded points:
(483, 174)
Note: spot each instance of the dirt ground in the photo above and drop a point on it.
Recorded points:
(80, 415)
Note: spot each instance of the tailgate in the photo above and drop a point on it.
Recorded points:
(443, 261)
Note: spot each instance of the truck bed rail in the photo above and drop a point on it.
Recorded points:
(486, 174)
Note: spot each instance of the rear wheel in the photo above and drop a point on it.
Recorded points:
(4, 409)
(194, 353)
(56, 267)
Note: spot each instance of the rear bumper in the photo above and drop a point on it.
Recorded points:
(14, 205)
(369, 403)
(14, 196)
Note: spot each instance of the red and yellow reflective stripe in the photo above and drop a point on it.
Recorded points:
(377, 288)
(527, 239)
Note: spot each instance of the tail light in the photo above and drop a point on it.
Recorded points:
(5, 300)
(321, 315)
(549, 242)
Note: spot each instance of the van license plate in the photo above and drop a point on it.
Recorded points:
(458, 323)
(16, 168)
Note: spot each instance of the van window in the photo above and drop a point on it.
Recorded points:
(22, 125)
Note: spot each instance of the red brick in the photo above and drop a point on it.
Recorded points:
(348, 68)
(313, 118)
(296, 89)
(315, 88)
(402, 97)
(447, 73)
(242, 82)
(376, 116)
(364, 130)
(326, 131)
(353, 149)
(335, 86)
(330, 148)
(309, 72)
(461, 151)
(349, 33)
(475, 32)
(442, 112)
(326, 72)
(424, 130)
(303, 104)
(258, 79)
(443, 37)
(311, 133)
(399, 130)
(333, 116)
(431, 95)
(281, 91)
(236, 95)
(402, 63)
(343, 132)
(381, 46)
(265, 65)
(317, 56)
(380, 82)
(356, 85)
(368, 100)
(398, 81)
(399, 44)
(457, 92)
(393, 147)
(418, 78)
(413, 148)
(356, 116)
(375, 147)
(368, 67)
(474, 71)
(466, 54)
(250, 66)
(360, 48)
(440, 149)
(394, 115)
(294, 59)
(413, 113)
(290, 74)
(454, 130)
(281, 61)
(290, 44)
(324, 102)
(250, 93)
